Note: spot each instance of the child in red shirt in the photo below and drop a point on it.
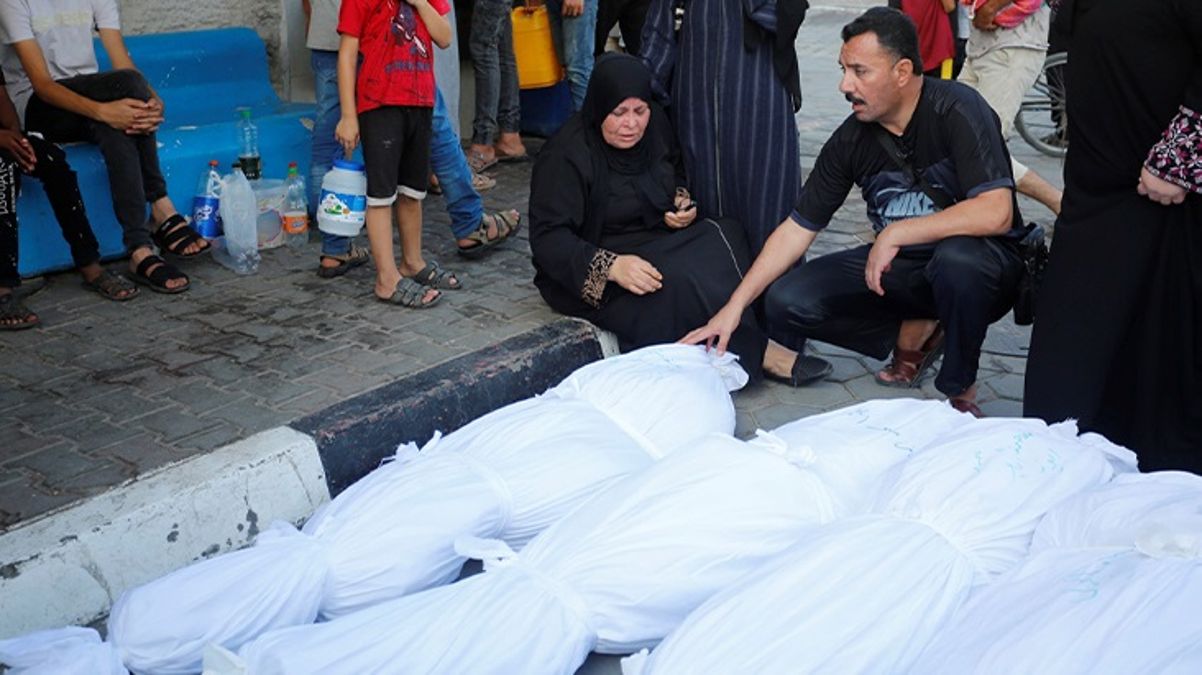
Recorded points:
(390, 103)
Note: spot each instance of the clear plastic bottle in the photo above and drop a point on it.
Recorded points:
(239, 248)
(248, 147)
(296, 209)
(206, 204)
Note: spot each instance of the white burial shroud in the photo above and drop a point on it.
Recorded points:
(616, 574)
(866, 594)
(1113, 586)
(508, 475)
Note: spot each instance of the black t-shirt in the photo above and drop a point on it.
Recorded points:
(954, 139)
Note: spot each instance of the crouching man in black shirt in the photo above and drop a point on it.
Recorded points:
(930, 161)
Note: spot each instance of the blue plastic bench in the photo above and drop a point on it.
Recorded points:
(203, 77)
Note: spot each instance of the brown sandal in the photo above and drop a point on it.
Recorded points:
(346, 262)
(966, 406)
(506, 224)
(906, 369)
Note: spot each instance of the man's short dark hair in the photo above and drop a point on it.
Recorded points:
(894, 31)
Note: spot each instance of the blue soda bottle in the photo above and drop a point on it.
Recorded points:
(206, 217)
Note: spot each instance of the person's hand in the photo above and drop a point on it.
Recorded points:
(1159, 190)
(880, 260)
(716, 334)
(983, 19)
(126, 114)
(20, 148)
(347, 133)
(635, 275)
(685, 213)
(151, 118)
(573, 8)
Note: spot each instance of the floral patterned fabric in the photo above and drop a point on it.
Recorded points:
(1177, 158)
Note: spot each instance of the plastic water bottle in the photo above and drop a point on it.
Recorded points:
(239, 248)
(343, 206)
(206, 216)
(296, 209)
(248, 147)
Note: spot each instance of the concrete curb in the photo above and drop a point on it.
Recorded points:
(353, 436)
(91, 552)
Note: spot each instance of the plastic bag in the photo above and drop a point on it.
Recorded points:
(238, 248)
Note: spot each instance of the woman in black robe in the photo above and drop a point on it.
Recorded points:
(1118, 334)
(612, 226)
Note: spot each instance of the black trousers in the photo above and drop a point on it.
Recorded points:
(629, 15)
(63, 191)
(132, 160)
(966, 283)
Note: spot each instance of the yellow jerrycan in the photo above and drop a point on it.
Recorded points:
(538, 64)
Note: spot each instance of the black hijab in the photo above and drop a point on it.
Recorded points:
(615, 78)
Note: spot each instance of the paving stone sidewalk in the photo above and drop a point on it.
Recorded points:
(105, 391)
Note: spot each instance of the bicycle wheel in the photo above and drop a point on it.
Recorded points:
(1042, 119)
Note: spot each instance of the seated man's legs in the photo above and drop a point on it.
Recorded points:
(131, 159)
(966, 283)
(827, 299)
(62, 189)
(973, 282)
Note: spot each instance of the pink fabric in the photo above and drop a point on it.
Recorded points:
(1011, 15)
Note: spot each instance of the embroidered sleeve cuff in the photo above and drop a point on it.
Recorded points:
(598, 276)
(1177, 158)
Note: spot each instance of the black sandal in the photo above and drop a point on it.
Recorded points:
(434, 276)
(175, 235)
(111, 286)
(14, 315)
(410, 293)
(156, 279)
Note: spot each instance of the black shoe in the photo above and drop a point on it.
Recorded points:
(806, 370)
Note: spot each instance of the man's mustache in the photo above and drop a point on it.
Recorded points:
(854, 100)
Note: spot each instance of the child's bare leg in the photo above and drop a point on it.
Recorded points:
(379, 236)
(409, 224)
